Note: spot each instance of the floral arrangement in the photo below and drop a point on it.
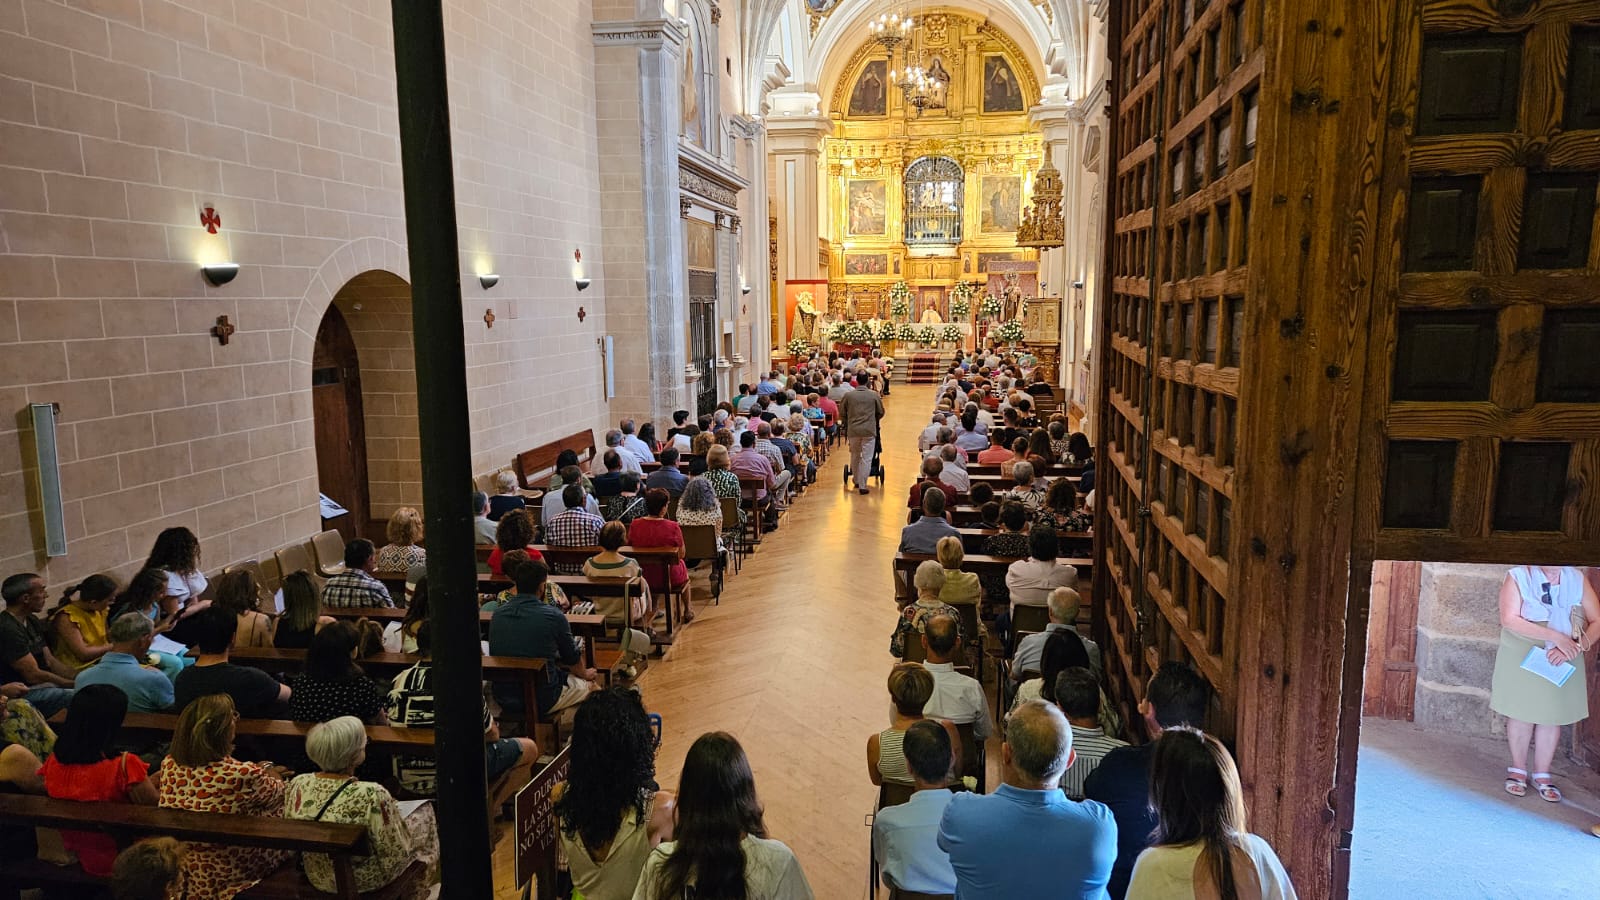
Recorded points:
(990, 307)
(961, 298)
(798, 346)
(900, 291)
(909, 332)
(952, 334)
(899, 308)
(849, 333)
(1010, 331)
(887, 331)
(930, 334)
(960, 306)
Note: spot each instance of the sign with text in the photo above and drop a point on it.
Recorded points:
(536, 824)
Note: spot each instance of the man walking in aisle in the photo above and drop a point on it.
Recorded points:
(861, 409)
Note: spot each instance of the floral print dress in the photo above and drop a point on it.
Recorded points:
(215, 872)
(912, 621)
(395, 839)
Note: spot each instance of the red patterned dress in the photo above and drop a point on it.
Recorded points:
(226, 786)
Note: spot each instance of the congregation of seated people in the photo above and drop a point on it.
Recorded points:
(1077, 810)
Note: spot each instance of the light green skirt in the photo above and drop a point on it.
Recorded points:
(1522, 695)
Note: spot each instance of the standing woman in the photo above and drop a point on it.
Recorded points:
(720, 846)
(1552, 610)
(611, 812)
(80, 622)
(177, 553)
(1202, 847)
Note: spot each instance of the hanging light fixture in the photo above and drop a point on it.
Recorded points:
(889, 29)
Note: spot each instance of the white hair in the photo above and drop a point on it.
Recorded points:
(505, 481)
(929, 577)
(337, 744)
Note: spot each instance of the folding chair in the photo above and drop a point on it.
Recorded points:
(294, 558)
(329, 548)
(973, 756)
(700, 542)
(264, 592)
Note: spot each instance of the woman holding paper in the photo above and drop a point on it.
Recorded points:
(1549, 617)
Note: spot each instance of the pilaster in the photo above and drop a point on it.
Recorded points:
(794, 148)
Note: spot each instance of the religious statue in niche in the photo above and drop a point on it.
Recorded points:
(805, 314)
(867, 207)
(1002, 204)
(870, 97)
(1001, 90)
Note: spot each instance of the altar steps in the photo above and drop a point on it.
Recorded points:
(928, 367)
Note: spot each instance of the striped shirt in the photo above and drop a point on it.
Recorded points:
(892, 757)
(1091, 745)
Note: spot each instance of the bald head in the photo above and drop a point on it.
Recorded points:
(1038, 746)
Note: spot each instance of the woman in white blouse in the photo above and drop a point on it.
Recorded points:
(719, 839)
(176, 552)
(1202, 849)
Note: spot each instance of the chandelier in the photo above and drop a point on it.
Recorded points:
(1042, 225)
(922, 87)
(890, 30)
(922, 90)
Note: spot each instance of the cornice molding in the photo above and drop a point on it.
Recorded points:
(648, 33)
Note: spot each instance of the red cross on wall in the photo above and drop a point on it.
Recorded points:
(210, 219)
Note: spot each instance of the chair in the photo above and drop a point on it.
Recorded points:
(1027, 620)
(732, 531)
(294, 558)
(672, 508)
(329, 547)
(700, 542)
(973, 629)
(914, 651)
(973, 756)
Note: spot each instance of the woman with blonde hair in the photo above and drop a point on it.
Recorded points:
(1202, 848)
(960, 588)
(201, 775)
(404, 532)
(80, 622)
(302, 613)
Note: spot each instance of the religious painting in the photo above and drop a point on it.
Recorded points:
(1002, 204)
(700, 244)
(984, 259)
(867, 207)
(938, 83)
(866, 263)
(689, 87)
(821, 7)
(871, 94)
(1002, 92)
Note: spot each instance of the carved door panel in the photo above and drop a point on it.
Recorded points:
(703, 338)
(339, 423)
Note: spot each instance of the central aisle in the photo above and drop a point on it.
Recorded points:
(793, 662)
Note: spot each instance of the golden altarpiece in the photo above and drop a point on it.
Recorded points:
(932, 195)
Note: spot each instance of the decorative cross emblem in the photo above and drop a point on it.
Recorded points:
(223, 330)
(488, 317)
(212, 221)
(577, 256)
(581, 314)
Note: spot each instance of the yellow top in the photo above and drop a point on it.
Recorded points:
(92, 625)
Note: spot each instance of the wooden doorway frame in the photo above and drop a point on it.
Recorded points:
(335, 349)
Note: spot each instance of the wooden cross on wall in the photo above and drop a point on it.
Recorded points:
(223, 330)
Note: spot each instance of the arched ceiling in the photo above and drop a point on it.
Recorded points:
(1053, 36)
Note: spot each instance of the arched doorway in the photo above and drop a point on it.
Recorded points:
(339, 420)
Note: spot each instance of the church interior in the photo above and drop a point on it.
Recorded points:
(527, 392)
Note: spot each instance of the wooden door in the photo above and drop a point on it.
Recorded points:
(703, 338)
(339, 423)
(1389, 689)
(1586, 746)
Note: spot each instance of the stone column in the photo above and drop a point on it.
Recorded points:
(794, 145)
(638, 69)
(752, 311)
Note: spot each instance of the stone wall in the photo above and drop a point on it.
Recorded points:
(120, 120)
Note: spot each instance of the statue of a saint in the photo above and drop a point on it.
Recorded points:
(930, 316)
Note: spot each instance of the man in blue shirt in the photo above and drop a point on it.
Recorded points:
(669, 477)
(905, 838)
(1027, 839)
(1177, 695)
(922, 536)
(148, 690)
(528, 627)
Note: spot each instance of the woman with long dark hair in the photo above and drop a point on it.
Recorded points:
(147, 594)
(720, 847)
(176, 553)
(1202, 849)
(610, 811)
(87, 767)
(332, 684)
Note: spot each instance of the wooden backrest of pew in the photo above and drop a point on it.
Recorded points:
(416, 741)
(495, 668)
(538, 464)
(582, 623)
(983, 564)
(218, 828)
(993, 469)
(579, 554)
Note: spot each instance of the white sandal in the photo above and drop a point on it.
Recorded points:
(1516, 781)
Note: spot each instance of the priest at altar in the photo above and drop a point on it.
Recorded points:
(930, 316)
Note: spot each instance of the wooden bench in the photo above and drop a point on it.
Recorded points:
(537, 465)
(905, 566)
(662, 557)
(407, 741)
(127, 823)
(1055, 471)
(973, 538)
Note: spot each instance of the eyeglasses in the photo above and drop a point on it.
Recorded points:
(1546, 598)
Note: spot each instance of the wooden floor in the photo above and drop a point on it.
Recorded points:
(793, 662)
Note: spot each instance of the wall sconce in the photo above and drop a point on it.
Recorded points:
(1078, 284)
(488, 280)
(744, 288)
(219, 274)
(577, 271)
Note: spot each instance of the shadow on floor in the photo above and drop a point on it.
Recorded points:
(1432, 820)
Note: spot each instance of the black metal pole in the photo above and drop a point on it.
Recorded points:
(430, 197)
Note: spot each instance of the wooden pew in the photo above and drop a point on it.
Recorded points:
(537, 465)
(517, 669)
(1055, 471)
(972, 538)
(408, 741)
(583, 586)
(127, 823)
(905, 566)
